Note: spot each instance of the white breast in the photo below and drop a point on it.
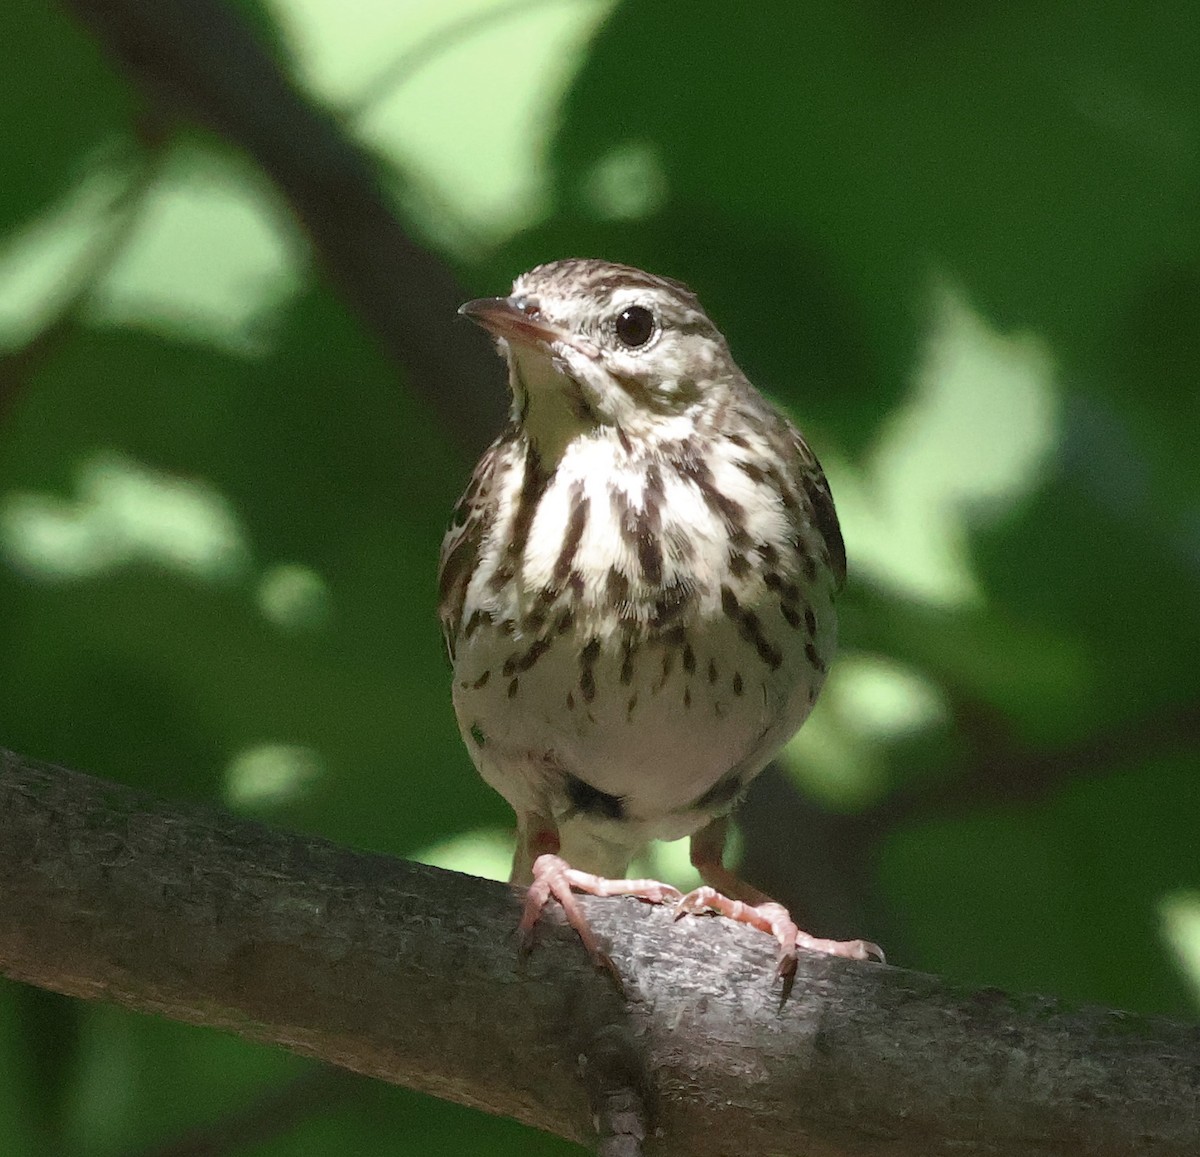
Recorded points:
(656, 717)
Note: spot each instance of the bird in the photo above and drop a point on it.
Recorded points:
(636, 592)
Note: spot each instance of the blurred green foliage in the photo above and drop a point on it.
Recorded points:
(959, 242)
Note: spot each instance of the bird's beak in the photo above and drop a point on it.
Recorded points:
(513, 320)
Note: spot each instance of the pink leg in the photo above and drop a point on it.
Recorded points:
(725, 893)
(553, 877)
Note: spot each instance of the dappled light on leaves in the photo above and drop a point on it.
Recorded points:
(1179, 913)
(211, 256)
(270, 775)
(294, 597)
(124, 513)
(869, 702)
(495, 179)
(627, 184)
(958, 244)
(41, 260)
(976, 436)
(485, 852)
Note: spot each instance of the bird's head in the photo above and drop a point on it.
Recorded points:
(594, 347)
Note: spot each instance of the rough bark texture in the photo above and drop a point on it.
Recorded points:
(409, 974)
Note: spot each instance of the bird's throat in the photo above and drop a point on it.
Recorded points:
(550, 405)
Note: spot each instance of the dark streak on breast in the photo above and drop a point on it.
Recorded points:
(752, 470)
(671, 603)
(475, 622)
(460, 548)
(533, 486)
(692, 467)
(587, 674)
(627, 652)
(750, 629)
(576, 522)
(641, 529)
(825, 519)
(649, 553)
(457, 567)
(616, 587)
(739, 564)
(516, 664)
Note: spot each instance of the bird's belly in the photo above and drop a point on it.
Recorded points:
(658, 736)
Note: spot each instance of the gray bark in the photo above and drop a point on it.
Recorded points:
(410, 974)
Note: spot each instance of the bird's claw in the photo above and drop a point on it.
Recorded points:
(776, 921)
(554, 878)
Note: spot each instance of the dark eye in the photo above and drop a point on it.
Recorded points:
(634, 326)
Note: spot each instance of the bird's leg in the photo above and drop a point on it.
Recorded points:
(538, 864)
(723, 892)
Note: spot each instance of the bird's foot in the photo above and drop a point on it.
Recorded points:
(554, 878)
(776, 921)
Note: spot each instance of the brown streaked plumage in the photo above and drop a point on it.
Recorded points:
(648, 554)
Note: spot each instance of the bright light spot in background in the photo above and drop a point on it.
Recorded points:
(209, 255)
(294, 597)
(488, 853)
(37, 262)
(627, 184)
(884, 699)
(672, 862)
(270, 774)
(839, 755)
(212, 256)
(1179, 913)
(485, 852)
(495, 178)
(125, 512)
(975, 436)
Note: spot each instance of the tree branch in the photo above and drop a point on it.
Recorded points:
(1005, 769)
(409, 974)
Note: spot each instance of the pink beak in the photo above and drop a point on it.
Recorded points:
(513, 320)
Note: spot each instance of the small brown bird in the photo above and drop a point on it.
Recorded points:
(636, 592)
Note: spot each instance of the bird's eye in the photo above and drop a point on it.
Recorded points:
(634, 326)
